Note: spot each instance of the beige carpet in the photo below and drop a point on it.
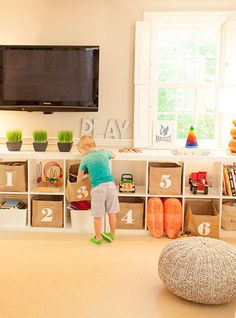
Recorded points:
(45, 275)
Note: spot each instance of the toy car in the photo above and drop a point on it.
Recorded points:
(127, 183)
(198, 182)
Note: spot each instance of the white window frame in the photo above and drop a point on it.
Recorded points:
(146, 79)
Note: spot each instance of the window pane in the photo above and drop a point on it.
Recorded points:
(167, 69)
(187, 42)
(205, 127)
(183, 124)
(167, 43)
(207, 42)
(206, 100)
(172, 99)
(177, 55)
(207, 50)
(185, 100)
(206, 69)
(166, 99)
(166, 117)
(186, 69)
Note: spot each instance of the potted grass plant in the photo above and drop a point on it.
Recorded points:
(14, 140)
(65, 140)
(40, 140)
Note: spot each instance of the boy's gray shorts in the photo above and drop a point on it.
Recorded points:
(104, 198)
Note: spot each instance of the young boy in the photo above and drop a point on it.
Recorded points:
(104, 196)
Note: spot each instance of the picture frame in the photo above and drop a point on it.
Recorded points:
(164, 134)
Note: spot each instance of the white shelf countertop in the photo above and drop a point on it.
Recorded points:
(157, 155)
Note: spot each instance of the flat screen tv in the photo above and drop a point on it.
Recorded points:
(49, 78)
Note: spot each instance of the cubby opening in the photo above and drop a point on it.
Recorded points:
(228, 217)
(47, 211)
(202, 217)
(136, 168)
(204, 176)
(165, 178)
(47, 176)
(132, 213)
(13, 210)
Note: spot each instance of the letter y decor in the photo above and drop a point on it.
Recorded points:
(164, 132)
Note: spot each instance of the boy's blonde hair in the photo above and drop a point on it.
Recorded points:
(86, 141)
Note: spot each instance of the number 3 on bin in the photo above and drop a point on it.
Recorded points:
(165, 181)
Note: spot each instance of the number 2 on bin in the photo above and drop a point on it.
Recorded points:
(47, 215)
(165, 181)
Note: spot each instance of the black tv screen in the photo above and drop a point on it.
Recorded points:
(49, 78)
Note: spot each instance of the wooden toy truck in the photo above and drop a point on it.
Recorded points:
(198, 182)
(127, 183)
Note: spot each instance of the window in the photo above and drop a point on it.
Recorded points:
(187, 80)
(184, 73)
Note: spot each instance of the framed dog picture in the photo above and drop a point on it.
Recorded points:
(164, 132)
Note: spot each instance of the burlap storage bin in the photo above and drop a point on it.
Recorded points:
(165, 178)
(228, 217)
(202, 218)
(77, 191)
(47, 211)
(131, 215)
(13, 176)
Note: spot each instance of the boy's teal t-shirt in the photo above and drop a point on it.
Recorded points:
(97, 163)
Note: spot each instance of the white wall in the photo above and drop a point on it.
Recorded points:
(107, 23)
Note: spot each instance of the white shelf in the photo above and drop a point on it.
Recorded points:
(225, 197)
(165, 196)
(47, 155)
(150, 155)
(135, 163)
(19, 193)
(225, 234)
(212, 194)
(140, 191)
(134, 232)
(47, 229)
(15, 228)
(70, 228)
(46, 193)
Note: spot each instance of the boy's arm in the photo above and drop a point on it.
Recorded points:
(80, 175)
(112, 154)
(109, 152)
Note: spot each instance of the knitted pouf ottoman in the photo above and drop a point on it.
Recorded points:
(202, 270)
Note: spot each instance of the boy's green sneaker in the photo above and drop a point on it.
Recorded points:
(95, 241)
(107, 236)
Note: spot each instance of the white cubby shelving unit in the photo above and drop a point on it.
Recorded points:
(135, 163)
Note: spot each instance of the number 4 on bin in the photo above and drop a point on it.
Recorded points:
(128, 218)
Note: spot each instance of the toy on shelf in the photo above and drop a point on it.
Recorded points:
(191, 141)
(50, 178)
(13, 203)
(130, 150)
(185, 234)
(81, 205)
(232, 143)
(198, 182)
(53, 173)
(127, 183)
(39, 172)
